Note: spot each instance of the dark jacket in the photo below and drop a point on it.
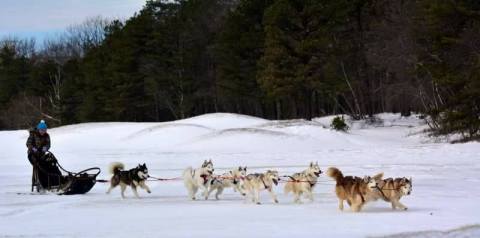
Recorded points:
(35, 140)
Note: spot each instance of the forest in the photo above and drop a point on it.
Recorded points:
(275, 59)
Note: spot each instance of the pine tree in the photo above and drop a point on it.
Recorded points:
(301, 54)
(239, 47)
(451, 32)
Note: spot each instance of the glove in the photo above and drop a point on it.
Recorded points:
(44, 149)
(50, 159)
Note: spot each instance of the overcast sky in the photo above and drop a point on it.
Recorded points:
(43, 18)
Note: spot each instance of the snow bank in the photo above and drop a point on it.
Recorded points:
(465, 231)
(445, 191)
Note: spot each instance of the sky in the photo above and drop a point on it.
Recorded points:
(44, 18)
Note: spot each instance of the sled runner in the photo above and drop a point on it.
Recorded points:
(49, 175)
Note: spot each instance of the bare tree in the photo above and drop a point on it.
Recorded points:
(76, 40)
(21, 47)
(71, 44)
(392, 52)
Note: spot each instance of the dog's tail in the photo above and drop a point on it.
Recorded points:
(115, 167)
(335, 173)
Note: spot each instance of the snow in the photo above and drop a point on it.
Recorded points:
(445, 179)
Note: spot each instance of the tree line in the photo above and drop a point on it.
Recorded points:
(276, 59)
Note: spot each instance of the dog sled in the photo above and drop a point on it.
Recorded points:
(49, 175)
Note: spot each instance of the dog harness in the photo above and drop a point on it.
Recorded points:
(383, 194)
(264, 184)
(203, 176)
(363, 198)
(381, 189)
(312, 184)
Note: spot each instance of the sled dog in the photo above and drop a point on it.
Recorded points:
(134, 178)
(254, 183)
(391, 190)
(352, 189)
(198, 179)
(303, 183)
(233, 178)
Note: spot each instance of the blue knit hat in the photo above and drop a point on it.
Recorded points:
(42, 125)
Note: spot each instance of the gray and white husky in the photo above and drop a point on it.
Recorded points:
(391, 190)
(233, 178)
(254, 183)
(303, 183)
(198, 179)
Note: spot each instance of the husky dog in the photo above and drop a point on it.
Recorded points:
(233, 179)
(303, 183)
(198, 178)
(352, 189)
(391, 190)
(134, 178)
(254, 183)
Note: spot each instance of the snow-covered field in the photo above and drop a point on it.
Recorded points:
(445, 176)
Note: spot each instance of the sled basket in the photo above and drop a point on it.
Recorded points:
(49, 175)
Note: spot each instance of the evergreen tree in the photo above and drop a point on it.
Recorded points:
(270, 58)
(238, 49)
(301, 61)
(451, 33)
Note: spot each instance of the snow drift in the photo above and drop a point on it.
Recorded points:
(444, 193)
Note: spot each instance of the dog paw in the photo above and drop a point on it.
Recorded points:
(405, 208)
(276, 201)
(244, 194)
(258, 203)
(148, 191)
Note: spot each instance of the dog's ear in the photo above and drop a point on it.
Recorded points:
(311, 164)
(411, 179)
(316, 163)
(245, 168)
(239, 168)
(366, 179)
(379, 176)
(144, 165)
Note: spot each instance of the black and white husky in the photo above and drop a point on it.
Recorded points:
(134, 178)
(234, 178)
(198, 179)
